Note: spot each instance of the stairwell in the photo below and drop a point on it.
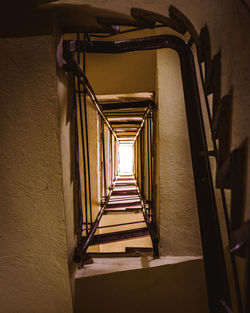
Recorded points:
(131, 280)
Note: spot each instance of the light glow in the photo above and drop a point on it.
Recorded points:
(126, 158)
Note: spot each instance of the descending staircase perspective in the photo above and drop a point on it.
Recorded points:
(125, 168)
(116, 271)
(125, 202)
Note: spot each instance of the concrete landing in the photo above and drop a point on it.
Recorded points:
(111, 265)
(171, 284)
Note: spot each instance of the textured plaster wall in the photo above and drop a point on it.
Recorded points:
(121, 73)
(67, 142)
(33, 264)
(150, 289)
(177, 212)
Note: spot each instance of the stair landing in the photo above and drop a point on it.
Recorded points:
(102, 266)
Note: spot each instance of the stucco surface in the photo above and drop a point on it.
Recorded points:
(122, 73)
(150, 289)
(178, 220)
(33, 263)
(33, 266)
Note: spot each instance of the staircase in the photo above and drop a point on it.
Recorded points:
(122, 219)
(144, 291)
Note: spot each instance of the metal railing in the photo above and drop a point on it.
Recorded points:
(214, 259)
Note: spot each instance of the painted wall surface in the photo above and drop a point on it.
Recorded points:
(67, 143)
(177, 211)
(153, 289)
(34, 257)
(121, 73)
(33, 265)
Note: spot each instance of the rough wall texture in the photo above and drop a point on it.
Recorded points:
(150, 289)
(122, 73)
(177, 211)
(33, 264)
(33, 260)
(67, 142)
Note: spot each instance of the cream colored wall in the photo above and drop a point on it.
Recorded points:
(177, 211)
(39, 282)
(34, 274)
(171, 288)
(93, 131)
(121, 73)
(67, 143)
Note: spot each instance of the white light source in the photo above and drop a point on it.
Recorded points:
(126, 158)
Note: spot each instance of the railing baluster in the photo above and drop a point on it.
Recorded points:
(87, 138)
(222, 192)
(83, 141)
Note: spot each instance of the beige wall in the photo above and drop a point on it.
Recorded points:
(121, 73)
(33, 265)
(150, 289)
(67, 143)
(177, 211)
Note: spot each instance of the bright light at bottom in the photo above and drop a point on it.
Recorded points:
(126, 153)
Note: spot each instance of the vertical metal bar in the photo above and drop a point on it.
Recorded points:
(222, 192)
(87, 138)
(136, 142)
(148, 166)
(142, 162)
(151, 165)
(214, 261)
(225, 209)
(80, 217)
(115, 156)
(154, 188)
(103, 159)
(112, 159)
(247, 276)
(83, 143)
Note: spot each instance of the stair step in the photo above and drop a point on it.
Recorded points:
(124, 192)
(119, 236)
(122, 205)
(138, 249)
(127, 210)
(113, 254)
